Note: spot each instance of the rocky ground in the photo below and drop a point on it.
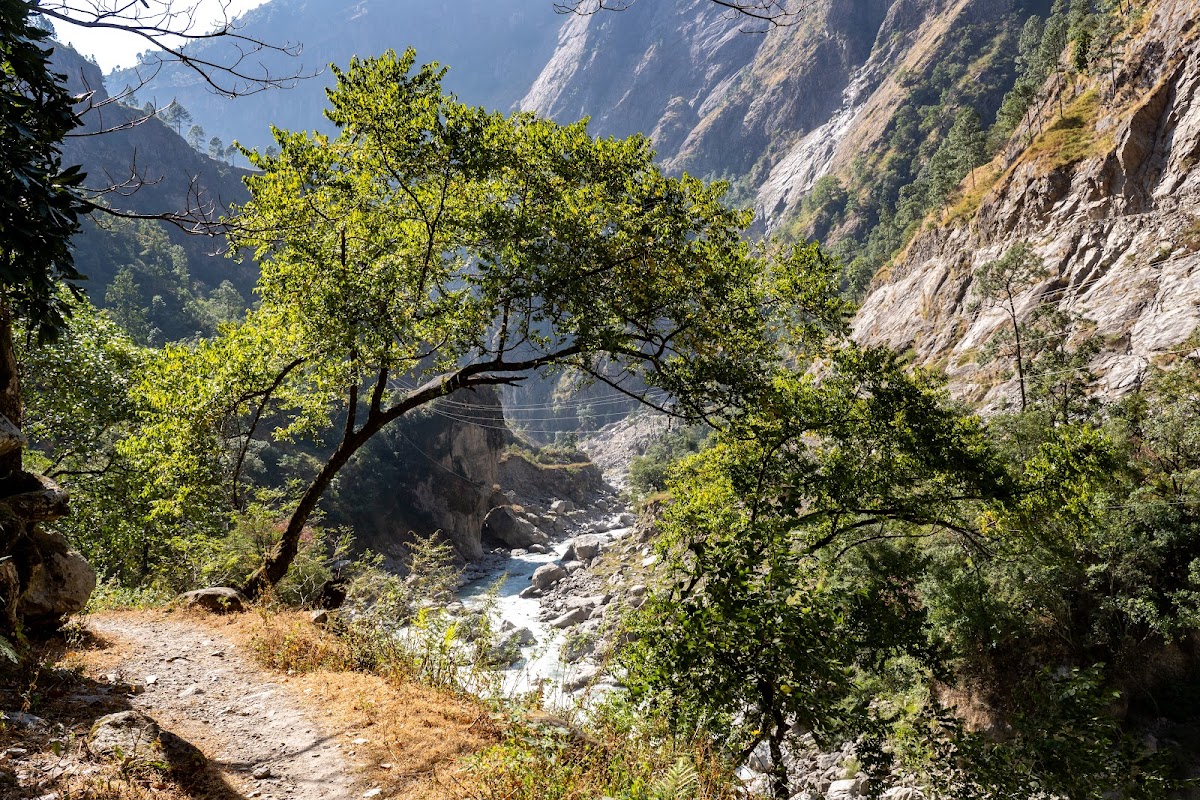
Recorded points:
(169, 691)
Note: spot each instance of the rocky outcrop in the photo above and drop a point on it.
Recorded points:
(1115, 217)
(42, 580)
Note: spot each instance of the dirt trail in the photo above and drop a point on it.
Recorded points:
(252, 728)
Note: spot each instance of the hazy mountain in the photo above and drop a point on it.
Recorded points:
(494, 48)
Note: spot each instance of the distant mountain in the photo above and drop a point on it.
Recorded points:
(494, 48)
(166, 275)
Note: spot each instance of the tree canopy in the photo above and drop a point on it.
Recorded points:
(431, 247)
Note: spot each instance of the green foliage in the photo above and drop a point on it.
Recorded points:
(763, 612)
(648, 472)
(39, 202)
(858, 560)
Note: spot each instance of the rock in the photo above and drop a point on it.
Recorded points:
(572, 617)
(902, 793)
(637, 590)
(127, 735)
(847, 789)
(577, 646)
(507, 649)
(547, 575)
(540, 549)
(217, 599)
(581, 678)
(58, 586)
(503, 524)
(584, 548)
(320, 617)
(24, 720)
(573, 566)
(558, 506)
(262, 771)
(650, 560)
(530, 591)
(587, 603)
(35, 498)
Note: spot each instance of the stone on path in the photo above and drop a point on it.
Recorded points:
(218, 599)
(127, 735)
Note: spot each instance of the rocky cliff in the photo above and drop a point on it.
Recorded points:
(773, 110)
(1100, 181)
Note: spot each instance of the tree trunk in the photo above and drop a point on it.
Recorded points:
(277, 562)
(10, 392)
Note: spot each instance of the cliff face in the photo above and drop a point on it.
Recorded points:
(1101, 183)
(773, 111)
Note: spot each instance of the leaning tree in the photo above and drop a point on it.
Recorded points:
(431, 248)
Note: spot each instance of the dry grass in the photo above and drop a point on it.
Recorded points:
(417, 737)
(1071, 137)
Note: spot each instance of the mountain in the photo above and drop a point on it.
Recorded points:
(494, 49)
(916, 139)
(164, 275)
(1101, 182)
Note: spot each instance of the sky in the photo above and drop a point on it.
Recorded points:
(113, 49)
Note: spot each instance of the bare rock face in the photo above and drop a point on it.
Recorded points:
(1118, 228)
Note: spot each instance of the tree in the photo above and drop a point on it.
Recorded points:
(195, 138)
(768, 624)
(431, 248)
(40, 206)
(998, 284)
(176, 116)
(216, 149)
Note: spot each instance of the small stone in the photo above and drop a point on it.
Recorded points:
(190, 691)
(360, 740)
(373, 792)
(151, 680)
(261, 772)
(650, 560)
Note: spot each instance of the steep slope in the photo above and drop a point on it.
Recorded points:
(493, 47)
(151, 170)
(774, 111)
(1100, 181)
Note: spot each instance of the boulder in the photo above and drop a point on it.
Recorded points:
(507, 649)
(584, 548)
(34, 498)
(572, 617)
(587, 603)
(577, 646)
(58, 585)
(547, 575)
(848, 789)
(903, 793)
(562, 507)
(127, 736)
(217, 599)
(11, 438)
(513, 531)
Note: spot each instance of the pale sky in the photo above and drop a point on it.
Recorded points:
(114, 49)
